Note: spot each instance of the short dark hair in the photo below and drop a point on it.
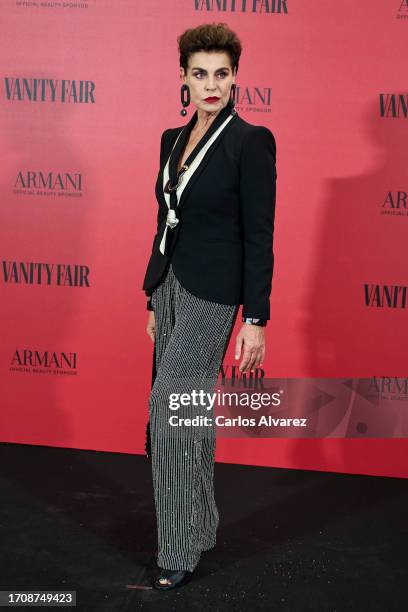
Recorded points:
(209, 37)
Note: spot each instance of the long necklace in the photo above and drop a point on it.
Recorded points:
(169, 188)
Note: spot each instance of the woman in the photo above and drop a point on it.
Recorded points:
(211, 253)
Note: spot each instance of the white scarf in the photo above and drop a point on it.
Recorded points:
(187, 174)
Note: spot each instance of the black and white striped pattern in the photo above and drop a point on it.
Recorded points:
(192, 336)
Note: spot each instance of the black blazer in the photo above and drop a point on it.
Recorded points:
(223, 251)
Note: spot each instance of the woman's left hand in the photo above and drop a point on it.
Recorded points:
(252, 339)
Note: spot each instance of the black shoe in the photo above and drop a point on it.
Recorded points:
(174, 578)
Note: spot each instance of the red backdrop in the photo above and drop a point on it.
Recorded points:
(86, 90)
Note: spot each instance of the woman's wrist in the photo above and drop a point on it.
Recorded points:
(253, 321)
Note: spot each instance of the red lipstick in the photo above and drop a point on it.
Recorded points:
(212, 99)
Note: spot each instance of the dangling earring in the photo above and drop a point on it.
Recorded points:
(232, 99)
(185, 103)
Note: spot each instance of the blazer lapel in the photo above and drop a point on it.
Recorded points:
(159, 183)
(204, 161)
(211, 141)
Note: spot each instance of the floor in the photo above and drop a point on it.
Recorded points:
(288, 540)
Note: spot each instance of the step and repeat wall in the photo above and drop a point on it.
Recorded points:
(86, 90)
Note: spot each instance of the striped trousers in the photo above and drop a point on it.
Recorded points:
(192, 336)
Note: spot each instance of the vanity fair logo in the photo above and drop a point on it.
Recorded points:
(385, 296)
(395, 204)
(32, 273)
(44, 362)
(402, 12)
(49, 90)
(232, 375)
(38, 183)
(394, 106)
(243, 6)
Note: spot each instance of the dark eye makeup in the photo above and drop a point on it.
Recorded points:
(222, 73)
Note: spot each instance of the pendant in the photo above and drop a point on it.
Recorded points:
(169, 188)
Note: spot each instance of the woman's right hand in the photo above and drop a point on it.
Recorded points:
(151, 326)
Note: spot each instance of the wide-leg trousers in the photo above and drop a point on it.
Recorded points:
(192, 336)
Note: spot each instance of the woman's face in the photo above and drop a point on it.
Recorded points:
(209, 74)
